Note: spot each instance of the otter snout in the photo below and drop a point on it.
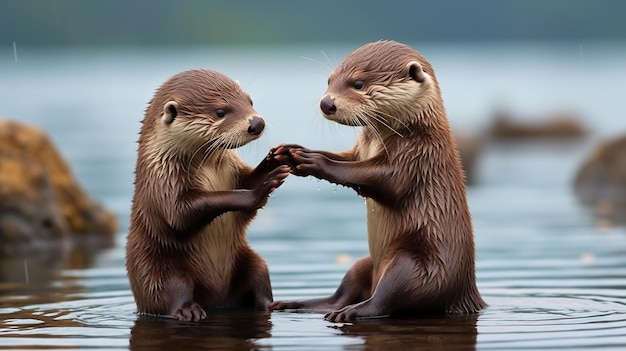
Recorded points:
(257, 124)
(327, 104)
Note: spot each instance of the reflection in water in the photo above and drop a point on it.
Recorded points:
(31, 273)
(223, 330)
(436, 333)
(39, 266)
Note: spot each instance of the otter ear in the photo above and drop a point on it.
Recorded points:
(170, 111)
(416, 71)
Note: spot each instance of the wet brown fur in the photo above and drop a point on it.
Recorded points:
(406, 165)
(187, 249)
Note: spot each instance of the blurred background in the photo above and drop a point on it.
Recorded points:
(71, 23)
(533, 89)
(83, 69)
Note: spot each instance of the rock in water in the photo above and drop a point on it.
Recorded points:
(39, 197)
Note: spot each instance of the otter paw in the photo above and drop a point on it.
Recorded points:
(284, 305)
(275, 178)
(345, 314)
(190, 312)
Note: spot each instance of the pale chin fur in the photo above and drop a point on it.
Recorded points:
(339, 118)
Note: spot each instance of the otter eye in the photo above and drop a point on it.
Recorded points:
(328, 81)
(358, 85)
(220, 113)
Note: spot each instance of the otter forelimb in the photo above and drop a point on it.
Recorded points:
(198, 208)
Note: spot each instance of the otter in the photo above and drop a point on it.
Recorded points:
(186, 249)
(405, 164)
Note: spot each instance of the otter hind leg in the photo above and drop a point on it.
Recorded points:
(251, 286)
(355, 287)
(262, 287)
(179, 292)
(400, 288)
(190, 311)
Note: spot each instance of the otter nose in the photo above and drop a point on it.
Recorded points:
(256, 125)
(327, 104)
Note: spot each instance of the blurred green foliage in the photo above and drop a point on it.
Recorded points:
(197, 22)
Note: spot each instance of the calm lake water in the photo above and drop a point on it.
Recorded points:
(552, 278)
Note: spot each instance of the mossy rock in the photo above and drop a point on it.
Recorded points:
(39, 196)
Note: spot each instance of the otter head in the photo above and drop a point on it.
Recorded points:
(381, 85)
(199, 111)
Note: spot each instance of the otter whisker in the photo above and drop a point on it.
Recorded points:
(215, 145)
(228, 143)
(382, 121)
(376, 132)
(213, 148)
(220, 156)
(394, 118)
(256, 147)
(202, 147)
(209, 151)
(317, 61)
(326, 56)
(361, 119)
(355, 120)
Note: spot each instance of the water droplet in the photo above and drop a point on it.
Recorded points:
(15, 51)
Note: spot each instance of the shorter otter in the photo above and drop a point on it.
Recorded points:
(406, 165)
(194, 198)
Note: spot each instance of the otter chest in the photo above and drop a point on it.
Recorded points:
(218, 244)
(367, 148)
(217, 178)
(378, 218)
(380, 230)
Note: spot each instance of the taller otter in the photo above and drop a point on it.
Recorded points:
(406, 165)
(194, 198)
